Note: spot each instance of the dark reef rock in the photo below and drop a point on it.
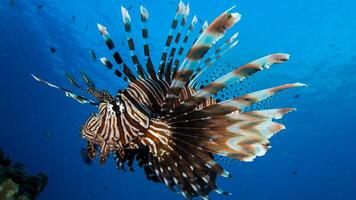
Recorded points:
(16, 184)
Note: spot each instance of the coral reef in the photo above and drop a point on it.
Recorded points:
(16, 184)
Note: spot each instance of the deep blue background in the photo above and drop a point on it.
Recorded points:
(40, 127)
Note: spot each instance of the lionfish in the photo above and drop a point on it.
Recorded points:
(163, 121)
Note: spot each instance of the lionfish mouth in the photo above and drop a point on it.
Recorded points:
(171, 125)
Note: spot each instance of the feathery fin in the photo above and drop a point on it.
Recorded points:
(229, 44)
(180, 11)
(214, 32)
(149, 65)
(184, 42)
(68, 93)
(230, 78)
(127, 24)
(117, 57)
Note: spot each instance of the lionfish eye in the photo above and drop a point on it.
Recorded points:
(120, 105)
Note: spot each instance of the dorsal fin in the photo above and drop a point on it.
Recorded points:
(237, 104)
(229, 44)
(184, 42)
(149, 65)
(202, 29)
(180, 11)
(127, 24)
(230, 78)
(116, 55)
(177, 37)
(206, 40)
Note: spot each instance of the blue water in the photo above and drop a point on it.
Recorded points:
(314, 158)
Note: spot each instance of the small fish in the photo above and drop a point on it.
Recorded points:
(86, 27)
(73, 18)
(52, 50)
(92, 54)
(295, 172)
(297, 96)
(40, 6)
(163, 120)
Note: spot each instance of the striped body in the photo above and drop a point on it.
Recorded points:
(134, 112)
(166, 121)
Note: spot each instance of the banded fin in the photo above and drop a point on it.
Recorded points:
(68, 93)
(87, 80)
(116, 56)
(180, 11)
(230, 78)
(184, 42)
(237, 104)
(168, 68)
(202, 29)
(229, 44)
(127, 24)
(72, 81)
(206, 40)
(242, 136)
(149, 65)
(176, 163)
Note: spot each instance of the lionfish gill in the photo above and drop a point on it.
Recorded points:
(171, 127)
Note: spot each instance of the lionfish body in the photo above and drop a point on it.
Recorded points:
(170, 127)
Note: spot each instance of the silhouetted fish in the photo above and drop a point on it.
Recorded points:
(92, 54)
(164, 121)
(52, 50)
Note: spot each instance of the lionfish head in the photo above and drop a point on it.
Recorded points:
(99, 126)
